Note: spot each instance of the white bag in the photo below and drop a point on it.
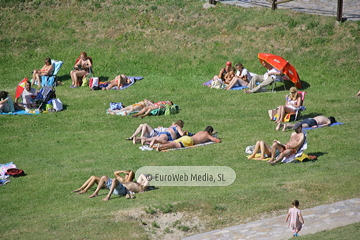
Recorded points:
(57, 104)
(94, 82)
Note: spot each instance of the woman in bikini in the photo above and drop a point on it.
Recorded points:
(137, 107)
(118, 82)
(82, 67)
(129, 176)
(173, 132)
(292, 103)
(47, 69)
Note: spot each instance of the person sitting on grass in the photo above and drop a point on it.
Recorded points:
(136, 107)
(171, 133)
(146, 110)
(122, 189)
(186, 141)
(318, 121)
(242, 77)
(27, 97)
(129, 176)
(118, 82)
(297, 139)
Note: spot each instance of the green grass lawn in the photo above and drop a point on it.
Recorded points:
(176, 46)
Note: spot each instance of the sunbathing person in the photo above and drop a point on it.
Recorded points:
(224, 71)
(82, 67)
(293, 101)
(118, 82)
(27, 97)
(129, 176)
(6, 103)
(297, 139)
(136, 107)
(271, 75)
(242, 77)
(47, 69)
(146, 111)
(122, 189)
(173, 132)
(318, 121)
(186, 141)
(229, 75)
(146, 131)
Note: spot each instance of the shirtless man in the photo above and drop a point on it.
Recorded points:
(319, 121)
(122, 189)
(129, 176)
(186, 141)
(297, 139)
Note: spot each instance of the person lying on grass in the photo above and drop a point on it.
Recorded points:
(129, 176)
(171, 133)
(297, 139)
(118, 82)
(145, 130)
(122, 189)
(318, 121)
(146, 110)
(186, 141)
(136, 107)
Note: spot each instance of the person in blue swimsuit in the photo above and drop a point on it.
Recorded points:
(171, 133)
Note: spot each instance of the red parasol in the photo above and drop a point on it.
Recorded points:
(20, 88)
(282, 65)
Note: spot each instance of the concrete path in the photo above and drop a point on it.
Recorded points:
(351, 8)
(316, 219)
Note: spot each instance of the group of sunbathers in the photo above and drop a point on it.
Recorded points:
(141, 109)
(171, 137)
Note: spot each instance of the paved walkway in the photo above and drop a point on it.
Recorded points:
(316, 219)
(351, 8)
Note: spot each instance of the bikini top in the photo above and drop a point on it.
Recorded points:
(176, 131)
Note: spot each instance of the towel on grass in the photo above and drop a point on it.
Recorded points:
(334, 124)
(197, 145)
(301, 158)
(21, 112)
(133, 79)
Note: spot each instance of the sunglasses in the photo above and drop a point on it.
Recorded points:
(293, 92)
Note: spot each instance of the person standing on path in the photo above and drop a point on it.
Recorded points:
(296, 219)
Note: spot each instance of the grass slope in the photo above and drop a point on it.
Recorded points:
(176, 45)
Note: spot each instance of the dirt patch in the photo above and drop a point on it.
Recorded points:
(164, 226)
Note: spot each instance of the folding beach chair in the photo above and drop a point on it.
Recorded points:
(273, 84)
(50, 80)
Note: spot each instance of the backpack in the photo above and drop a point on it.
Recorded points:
(15, 172)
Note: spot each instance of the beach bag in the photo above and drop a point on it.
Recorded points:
(272, 113)
(57, 104)
(15, 172)
(94, 82)
(217, 84)
(116, 106)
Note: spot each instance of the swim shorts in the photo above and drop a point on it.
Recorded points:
(119, 190)
(185, 141)
(309, 121)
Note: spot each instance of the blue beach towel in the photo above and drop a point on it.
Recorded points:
(20, 112)
(132, 78)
